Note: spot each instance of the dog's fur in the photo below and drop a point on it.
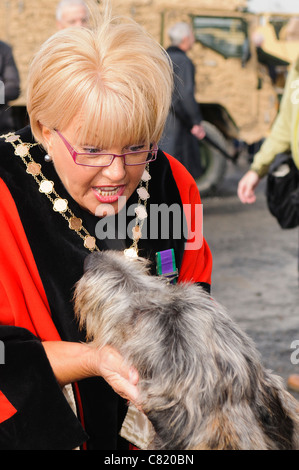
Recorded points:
(201, 383)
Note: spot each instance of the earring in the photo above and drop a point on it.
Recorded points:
(47, 158)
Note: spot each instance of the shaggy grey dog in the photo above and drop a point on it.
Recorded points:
(202, 385)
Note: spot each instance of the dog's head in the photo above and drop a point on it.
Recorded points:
(111, 285)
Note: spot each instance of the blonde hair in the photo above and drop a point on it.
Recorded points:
(116, 76)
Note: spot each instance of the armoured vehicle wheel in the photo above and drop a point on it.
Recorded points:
(213, 161)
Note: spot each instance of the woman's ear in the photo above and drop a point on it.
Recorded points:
(47, 135)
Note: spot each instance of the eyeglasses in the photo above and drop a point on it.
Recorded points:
(94, 159)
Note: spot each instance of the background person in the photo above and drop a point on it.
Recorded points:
(72, 13)
(283, 138)
(10, 86)
(94, 124)
(183, 128)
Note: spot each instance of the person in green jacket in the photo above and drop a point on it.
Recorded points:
(284, 137)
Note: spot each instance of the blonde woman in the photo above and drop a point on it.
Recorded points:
(97, 102)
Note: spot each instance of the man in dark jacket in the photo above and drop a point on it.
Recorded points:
(9, 86)
(183, 128)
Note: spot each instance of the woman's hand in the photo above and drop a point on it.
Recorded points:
(72, 362)
(111, 366)
(246, 187)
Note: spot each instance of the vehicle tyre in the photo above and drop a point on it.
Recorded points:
(213, 161)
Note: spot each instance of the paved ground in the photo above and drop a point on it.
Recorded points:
(255, 273)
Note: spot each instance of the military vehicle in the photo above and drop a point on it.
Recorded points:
(237, 93)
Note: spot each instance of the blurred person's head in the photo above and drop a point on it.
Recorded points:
(257, 39)
(182, 36)
(72, 13)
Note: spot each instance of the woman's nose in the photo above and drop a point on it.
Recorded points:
(117, 170)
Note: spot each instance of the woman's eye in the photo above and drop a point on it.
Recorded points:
(136, 148)
(91, 150)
